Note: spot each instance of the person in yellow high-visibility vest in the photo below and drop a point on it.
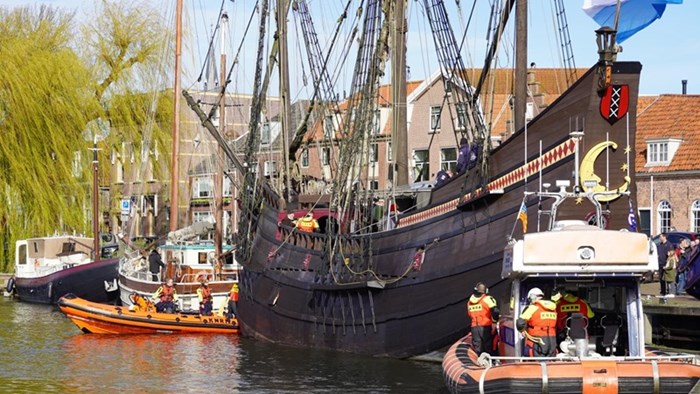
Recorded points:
(308, 223)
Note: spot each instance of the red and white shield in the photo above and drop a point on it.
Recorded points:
(614, 103)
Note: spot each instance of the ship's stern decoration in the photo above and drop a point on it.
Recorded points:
(614, 103)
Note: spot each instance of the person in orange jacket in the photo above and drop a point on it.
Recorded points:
(166, 296)
(233, 301)
(205, 298)
(483, 312)
(538, 323)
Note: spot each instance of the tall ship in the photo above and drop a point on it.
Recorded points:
(399, 289)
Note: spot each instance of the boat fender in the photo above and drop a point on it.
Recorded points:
(149, 316)
(10, 285)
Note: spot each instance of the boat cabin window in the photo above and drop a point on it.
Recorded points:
(608, 299)
(67, 248)
(202, 258)
(22, 255)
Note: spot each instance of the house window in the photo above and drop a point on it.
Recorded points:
(374, 185)
(270, 168)
(644, 224)
(695, 217)
(305, 157)
(448, 159)
(421, 165)
(328, 127)
(203, 187)
(326, 156)
(435, 119)
(389, 152)
(657, 153)
(461, 115)
(376, 123)
(202, 216)
(664, 216)
(373, 153)
(227, 187)
(265, 134)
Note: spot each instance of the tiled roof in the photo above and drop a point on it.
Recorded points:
(669, 116)
(384, 100)
(551, 81)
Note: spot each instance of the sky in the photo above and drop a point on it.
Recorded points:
(669, 49)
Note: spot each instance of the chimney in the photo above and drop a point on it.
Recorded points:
(684, 82)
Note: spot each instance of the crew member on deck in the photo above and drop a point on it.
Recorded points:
(567, 304)
(155, 264)
(166, 296)
(233, 301)
(205, 298)
(483, 312)
(538, 323)
(308, 223)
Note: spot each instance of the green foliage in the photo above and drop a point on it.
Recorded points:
(45, 108)
(52, 84)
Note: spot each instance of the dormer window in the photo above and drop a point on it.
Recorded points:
(660, 152)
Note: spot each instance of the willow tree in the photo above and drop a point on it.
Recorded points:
(128, 45)
(53, 84)
(45, 103)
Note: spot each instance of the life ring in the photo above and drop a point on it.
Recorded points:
(10, 285)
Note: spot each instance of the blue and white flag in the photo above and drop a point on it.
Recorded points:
(635, 15)
(632, 219)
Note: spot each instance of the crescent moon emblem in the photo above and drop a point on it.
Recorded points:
(587, 173)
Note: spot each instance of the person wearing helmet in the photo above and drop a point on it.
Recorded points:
(483, 312)
(205, 298)
(233, 301)
(538, 323)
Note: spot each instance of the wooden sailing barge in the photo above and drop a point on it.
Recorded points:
(402, 292)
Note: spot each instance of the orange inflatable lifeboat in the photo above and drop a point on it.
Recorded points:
(140, 318)
(465, 372)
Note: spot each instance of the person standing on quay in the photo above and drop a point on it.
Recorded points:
(483, 312)
(662, 250)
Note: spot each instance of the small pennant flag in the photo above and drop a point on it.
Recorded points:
(632, 219)
(522, 216)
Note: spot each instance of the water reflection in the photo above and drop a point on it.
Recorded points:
(44, 352)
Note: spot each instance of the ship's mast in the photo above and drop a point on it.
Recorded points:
(520, 103)
(219, 178)
(174, 170)
(399, 130)
(95, 204)
(282, 9)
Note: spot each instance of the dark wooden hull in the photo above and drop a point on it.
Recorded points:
(86, 281)
(368, 297)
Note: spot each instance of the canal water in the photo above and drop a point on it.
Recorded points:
(42, 351)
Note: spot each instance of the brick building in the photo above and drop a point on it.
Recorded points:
(667, 163)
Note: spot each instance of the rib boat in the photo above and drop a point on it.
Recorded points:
(140, 318)
(605, 353)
